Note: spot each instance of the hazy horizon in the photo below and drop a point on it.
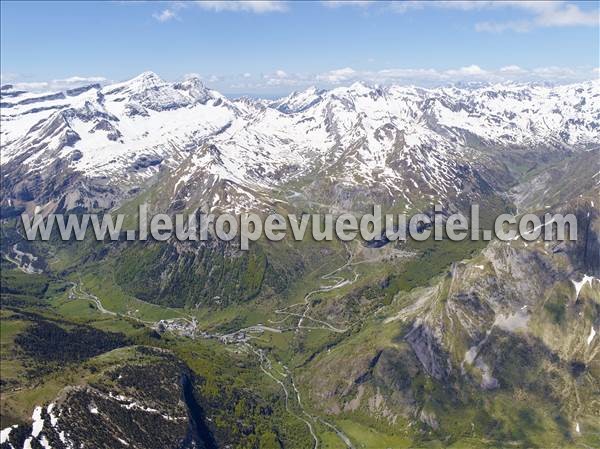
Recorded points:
(302, 43)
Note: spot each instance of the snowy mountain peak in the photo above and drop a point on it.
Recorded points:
(393, 138)
(361, 87)
(298, 101)
(142, 83)
(193, 81)
(148, 78)
(196, 89)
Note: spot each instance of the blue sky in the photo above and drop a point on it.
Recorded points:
(276, 47)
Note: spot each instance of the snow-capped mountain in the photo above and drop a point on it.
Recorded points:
(93, 146)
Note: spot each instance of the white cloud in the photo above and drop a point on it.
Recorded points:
(34, 85)
(402, 7)
(554, 72)
(535, 13)
(57, 84)
(280, 80)
(165, 15)
(80, 80)
(543, 14)
(7, 77)
(400, 75)
(283, 78)
(567, 14)
(471, 70)
(466, 5)
(425, 76)
(192, 75)
(358, 3)
(514, 69)
(258, 7)
(521, 26)
(338, 75)
(407, 6)
(75, 81)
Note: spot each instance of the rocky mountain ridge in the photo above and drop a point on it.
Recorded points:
(92, 147)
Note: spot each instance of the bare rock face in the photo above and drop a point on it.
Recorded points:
(428, 350)
(429, 418)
